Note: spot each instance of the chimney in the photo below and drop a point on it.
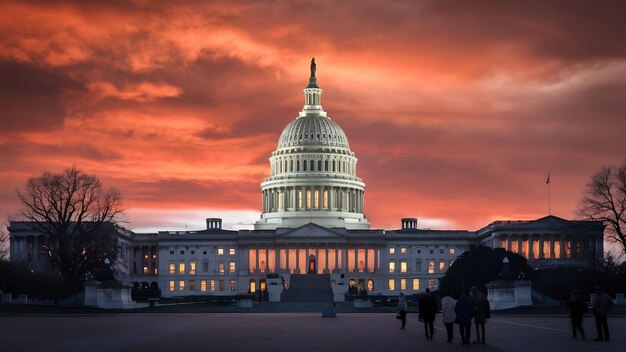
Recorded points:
(213, 224)
(409, 223)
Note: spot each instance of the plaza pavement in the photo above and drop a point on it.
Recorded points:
(258, 332)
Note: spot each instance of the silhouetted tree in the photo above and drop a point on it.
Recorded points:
(77, 216)
(4, 242)
(479, 266)
(604, 199)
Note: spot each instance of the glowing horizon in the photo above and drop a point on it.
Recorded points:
(456, 111)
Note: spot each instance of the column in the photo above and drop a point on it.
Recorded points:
(276, 259)
(541, 254)
(331, 203)
(294, 199)
(356, 258)
(326, 256)
(257, 268)
(367, 261)
(530, 248)
(552, 254)
(344, 259)
(337, 257)
(376, 259)
(287, 259)
(297, 258)
(519, 245)
(508, 242)
(562, 246)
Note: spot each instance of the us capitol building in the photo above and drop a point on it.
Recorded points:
(313, 239)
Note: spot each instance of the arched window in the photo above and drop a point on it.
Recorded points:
(319, 165)
(252, 288)
(370, 285)
(334, 169)
(304, 165)
(291, 166)
(312, 168)
(325, 165)
(297, 165)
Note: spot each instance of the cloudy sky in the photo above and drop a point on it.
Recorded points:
(457, 110)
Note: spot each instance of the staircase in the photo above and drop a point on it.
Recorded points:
(308, 288)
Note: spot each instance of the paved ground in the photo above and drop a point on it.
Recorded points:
(276, 332)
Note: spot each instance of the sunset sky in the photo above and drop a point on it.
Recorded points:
(456, 110)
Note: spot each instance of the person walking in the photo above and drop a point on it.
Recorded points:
(601, 307)
(464, 309)
(448, 315)
(402, 309)
(428, 309)
(481, 312)
(577, 308)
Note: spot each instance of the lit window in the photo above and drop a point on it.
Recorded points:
(172, 286)
(181, 285)
(252, 286)
(220, 251)
(442, 265)
(431, 266)
(221, 285)
(403, 266)
(192, 268)
(233, 285)
(392, 250)
(416, 284)
(156, 271)
(172, 269)
(221, 267)
(231, 267)
(145, 256)
(403, 284)
(431, 283)
(154, 256)
(181, 268)
(203, 285)
(392, 266)
(403, 250)
(231, 251)
(212, 285)
(370, 285)
(392, 284)
(451, 250)
(192, 285)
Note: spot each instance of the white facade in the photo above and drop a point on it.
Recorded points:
(313, 223)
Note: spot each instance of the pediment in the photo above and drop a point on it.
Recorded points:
(311, 230)
(548, 220)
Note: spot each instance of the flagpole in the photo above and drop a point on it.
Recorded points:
(549, 195)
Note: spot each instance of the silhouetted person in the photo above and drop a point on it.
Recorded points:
(601, 308)
(464, 310)
(577, 308)
(428, 309)
(448, 315)
(402, 309)
(481, 311)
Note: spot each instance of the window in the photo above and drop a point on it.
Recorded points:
(233, 285)
(171, 252)
(146, 270)
(220, 251)
(172, 286)
(431, 284)
(221, 267)
(392, 284)
(452, 251)
(205, 266)
(419, 251)
(432, 251)
(192, 268)
(370, 285)
(403, 250)
(212, 285)
(392, 250)
(431, 266)
(403, 266)
(181, 268)
(203, 285)
(181, 285)
(172, 269)
(221, 285)
(416, 284)
(145, 256)
(192, 285)
(231, 251)
(418, 265)
(441, 251)
(392, 266)
(442, 265)
(204, 252)
(403, 284)
(154, 256)
(231, 267)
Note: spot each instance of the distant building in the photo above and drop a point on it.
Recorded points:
(313, 224)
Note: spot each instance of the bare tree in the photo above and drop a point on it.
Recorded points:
(77, 216)
(604, 199)
(4, 242)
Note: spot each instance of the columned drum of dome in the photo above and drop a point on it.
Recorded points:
(312, 173)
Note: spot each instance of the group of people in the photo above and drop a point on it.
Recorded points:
(460, 311)
(601, 307)
(476, 307)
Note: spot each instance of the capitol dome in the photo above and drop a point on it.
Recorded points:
(313, 130)
(313, 175)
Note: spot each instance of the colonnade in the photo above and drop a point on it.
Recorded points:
(26, 248)
(313, 198)
(549, 246)
(311, 258)
(301, 163)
